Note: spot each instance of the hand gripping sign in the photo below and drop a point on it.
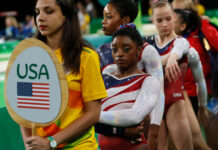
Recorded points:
(36, 91)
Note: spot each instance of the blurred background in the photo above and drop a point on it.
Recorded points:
(20, 8)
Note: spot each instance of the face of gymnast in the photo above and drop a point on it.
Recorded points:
(180, 25)
(125, 52)
(111, 20)
(164, 19)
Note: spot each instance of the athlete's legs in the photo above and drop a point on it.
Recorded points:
(198, 140)
(212, 131)
(162, 136)
(178, 126)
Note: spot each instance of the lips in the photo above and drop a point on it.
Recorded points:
(120, 61)
(42, 27)
(104, 28)
(165, 30)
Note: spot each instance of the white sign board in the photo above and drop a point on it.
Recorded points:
(33, 89)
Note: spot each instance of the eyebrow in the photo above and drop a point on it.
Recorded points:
(46, 7)
(108, 13)
(126, 45)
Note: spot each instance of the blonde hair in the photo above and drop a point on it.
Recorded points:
(161, 3)
(13, 21)
(188, 4)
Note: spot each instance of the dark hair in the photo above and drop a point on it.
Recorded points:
(126, 8)
(71, 41)
(132, 33)
(190, 18)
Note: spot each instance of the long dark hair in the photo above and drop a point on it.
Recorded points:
(190, 18)
(71, 41)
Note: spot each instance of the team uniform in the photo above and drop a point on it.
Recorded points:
(149, 61)
(173, 89)
(187, 56)
(129, 100)
(85, 86)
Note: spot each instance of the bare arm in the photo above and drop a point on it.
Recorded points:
(88, 119)
(76, 128)
(26, 132)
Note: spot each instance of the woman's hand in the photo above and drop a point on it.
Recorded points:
(37, 143)
(172, 70)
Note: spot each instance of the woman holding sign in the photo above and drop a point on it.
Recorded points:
(58, 27)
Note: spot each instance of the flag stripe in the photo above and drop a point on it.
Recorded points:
(33, 107)
(40, 88)
(41, 84)
(40, 92)
(32, 99)
(33, 103)
(40, 96)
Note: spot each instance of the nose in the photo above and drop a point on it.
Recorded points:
(164, 24)
(119, 53)
(103, 21)
(41, 17)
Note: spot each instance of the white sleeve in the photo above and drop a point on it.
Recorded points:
(197, 72)
(180, 47)
(152, 64)
(145, 102)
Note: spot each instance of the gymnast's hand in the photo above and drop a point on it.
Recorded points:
(134, 133)
(172, 70)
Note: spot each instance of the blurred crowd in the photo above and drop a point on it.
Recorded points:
(15, 30)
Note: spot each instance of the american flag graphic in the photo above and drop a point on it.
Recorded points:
(33, 95)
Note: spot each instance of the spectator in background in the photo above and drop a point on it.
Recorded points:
(84, 18)
(27, 28)
(150, 3)
(90, 9)
(189, 4)
(199, 7)
(11, 31)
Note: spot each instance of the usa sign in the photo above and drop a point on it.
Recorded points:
(36, 90)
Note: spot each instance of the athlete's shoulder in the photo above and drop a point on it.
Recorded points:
(181, 41)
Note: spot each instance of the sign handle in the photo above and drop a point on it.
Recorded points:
(34, 129)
